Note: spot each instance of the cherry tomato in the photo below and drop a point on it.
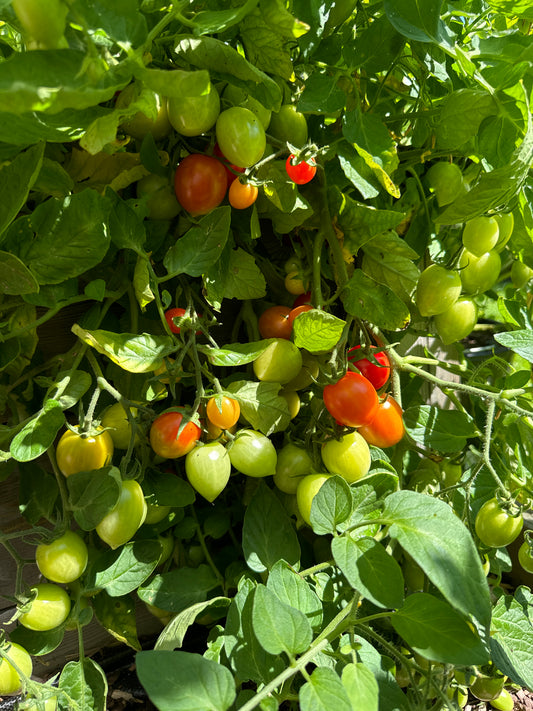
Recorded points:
(293, 464)
(295, 284)
(302, 299)
(479, 274)
(64, 559)
(10, 681)
(280, 362)
(339, 12)
(191, 113)
(446, 181)
(223, 411)
(437, 289)
(140, 125)
(252, 453)
(231, 170)
(503, 702)
(200, 183)
(274, 322)
(300, 173)
(307, 375)
(43, 23)
(378, 373)
(155, 513)
(241, 136)
(208, 468)
(349, 456)
(242, 195)
(457, 321)
(487, 688)
(386, 428)
(525, 556)
(126, 517)
(161, 198)
(289, 126)
(296, 311)
(521, 274)
(78, 453)
(352, 400)
(238, 97)
(293, 401)
(48, 610)
(496, 527)
(115, 421)
(307, 489)
(480, 234)
(505, 222)
(169, 439)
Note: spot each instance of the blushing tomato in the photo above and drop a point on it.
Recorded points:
(191, 113)
(200, 183)
(81, 453)
(10, 680)
(126, 517)
(242, 195)
(352, 400)
(223, 411)
(64, 559)
(252, 453)
(274, 322)
(386, 428)
(208, 468)
(300, 172)
(170, 438)
(293, 464)
(280, 362)
(437, 289)
(49, 609)
(241, 136)
(302, 299)
(349, 456)
(297, 310)
(377, 372)
(495, 526)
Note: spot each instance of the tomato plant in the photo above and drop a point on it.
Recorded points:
(252, 453)
(349, 456)
(171, 436)
(352, 400)
(386, 428)
(192, 113)
(64, 559)
(242, 195)
(223, 411)
(208, 468)
(495, 526)
(128, 514)
(241, 136)
(10, 680)
(78, 452)
(200, 183)
(300, 172)
(48, 609)
(377, 370)
(437, 289)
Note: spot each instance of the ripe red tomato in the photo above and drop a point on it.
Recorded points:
(302, 299)
(377, 374)
(274, 322)
(300, 173)
(200, 183)
(168, 440)
(242, 195)
(352, 400)
(386, 428)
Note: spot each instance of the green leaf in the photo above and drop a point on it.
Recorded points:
(85, 683)
(331, 506)
(317, 331)
(141, 283)
(182, 681)
(69, 388)
(292, 589)
(323, 692)
(442, 430)
(442, 546)
(136, 353)
(121, 571)
(211, 22)
(511, 639)
(361, 686)
(391, 697)
(32, 127)
(235, 354)
(174, 633)
(373, 142)
(520, 342)
(321, 95)
(461, 115)
(415, 19)
(117, 616)
(167, 489)
(125, 228)
(267, 533)
(93, 494)
(178, 589)
(514, 8)
(244, 279)
(438, 632)
(35, 438)
(16, 180)
(201, 246)
(261, 405)
(370, 570)
(364, 298)
(119, 19)
(38, 493)
(389, 261)
(279, 627)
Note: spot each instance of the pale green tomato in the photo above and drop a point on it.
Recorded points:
(521, 274)
(10, 681)
(446, 181)
(293, 464)
(161, 197)
(349, 456)
(289, 126)
(505, 222)
(191, 113)
(208, 468)
(480, 234)
(155, 513)
(457, 321)
(128, 514)
(49, 705)
(140, 125)
(479, 274)
(253, 454)
(280, 362)
(307, 375)
(64, 559)
(307, 489)
(49, 609)
(115, 421)
(437, 289)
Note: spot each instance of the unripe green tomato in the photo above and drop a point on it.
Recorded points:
(128, 514)
(480, 234)
(49, 609)
(457, 321)
(451, 473)
(293, 464)
(155, 513)
(49, 705)
(503, 702)
(240, 136)
(161, 202)
(437, 289)
(457, 694)
(446, 181)
(307, 374)
(280, 362)
(349, 456)
(520, 274)
(238, 97)
(43, 22)
(253, 454)
(495, 526)
(487, 688)
(64, 559)
(479, 274)
(192, 114)
(505, 222)
(289, 126)
(525, 556)
(115, 421)
(10, 681)
(208, 468)
(140, 125)
(307, 489)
